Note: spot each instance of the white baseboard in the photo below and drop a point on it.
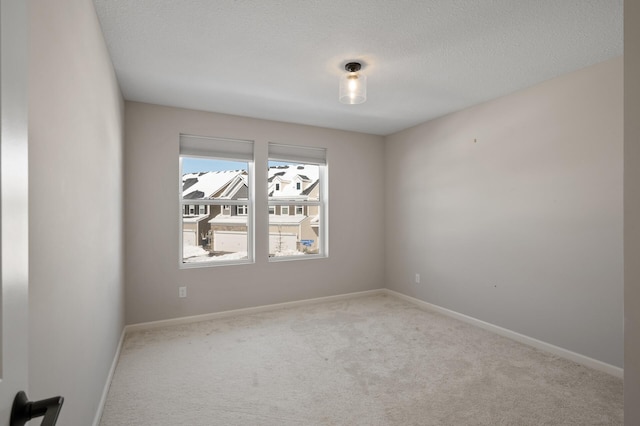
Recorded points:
(245, 311)
(538, 344)
(105, 391)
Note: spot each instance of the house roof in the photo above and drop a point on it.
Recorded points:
(286, 219)
(226, 184)
(222, 219)
(233, 188)
(194, 219)
(310, 188)
(289, 174)
(204, 185)
(193, 195)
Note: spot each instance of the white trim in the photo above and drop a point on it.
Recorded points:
(246, 311)
(287, 200)
(323, 210)
(248, 219)
(105, 391)
(530, 341)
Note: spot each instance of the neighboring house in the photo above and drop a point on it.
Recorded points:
(293, 227)
(229, 227)
(195, 217)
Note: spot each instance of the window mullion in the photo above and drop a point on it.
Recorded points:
(294, 202)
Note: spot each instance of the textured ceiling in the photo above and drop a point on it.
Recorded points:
(281, 59)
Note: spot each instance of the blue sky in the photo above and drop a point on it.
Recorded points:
(195, 165)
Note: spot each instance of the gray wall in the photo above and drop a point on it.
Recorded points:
(356, 179)
(631, 214)
(511, 211)
(76, 290)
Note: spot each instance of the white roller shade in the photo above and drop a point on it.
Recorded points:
(297, 154)
(200, 146)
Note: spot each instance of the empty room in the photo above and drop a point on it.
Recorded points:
(238, 212)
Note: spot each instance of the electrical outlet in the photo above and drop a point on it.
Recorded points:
(182, 292)
(417, 279)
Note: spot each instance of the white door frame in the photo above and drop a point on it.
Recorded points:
(14, 224)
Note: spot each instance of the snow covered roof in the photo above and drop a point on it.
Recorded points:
(310, 188)
(288, 177)
(194, 219)
(223, 219)
(206, 184)
(232, 190)
(286, 219)
(198, 186)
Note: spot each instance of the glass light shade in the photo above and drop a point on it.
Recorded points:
(353, 88)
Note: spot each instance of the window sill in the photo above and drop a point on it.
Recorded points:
(198, 265)
(276, 259)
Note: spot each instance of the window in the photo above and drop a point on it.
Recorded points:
(301, 189)
(216, 190)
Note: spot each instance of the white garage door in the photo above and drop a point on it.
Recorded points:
(229, 241)
(189, 237)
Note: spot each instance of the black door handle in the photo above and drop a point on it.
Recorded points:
(24, 410)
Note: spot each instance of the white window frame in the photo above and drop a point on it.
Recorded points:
(219, 149)
(301, 210)
(284, 209)
(312, 156)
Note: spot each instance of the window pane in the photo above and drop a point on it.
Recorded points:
(293, 181)
(295, 235)
(295, 229)
(212, 231)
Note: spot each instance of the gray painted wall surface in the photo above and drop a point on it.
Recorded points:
(631, 213)
(356, 253)
(76, 294)
(511, 211)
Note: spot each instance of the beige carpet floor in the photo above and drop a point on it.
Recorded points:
(375, 360)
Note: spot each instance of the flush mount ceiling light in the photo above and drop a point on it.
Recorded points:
(353, 85)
